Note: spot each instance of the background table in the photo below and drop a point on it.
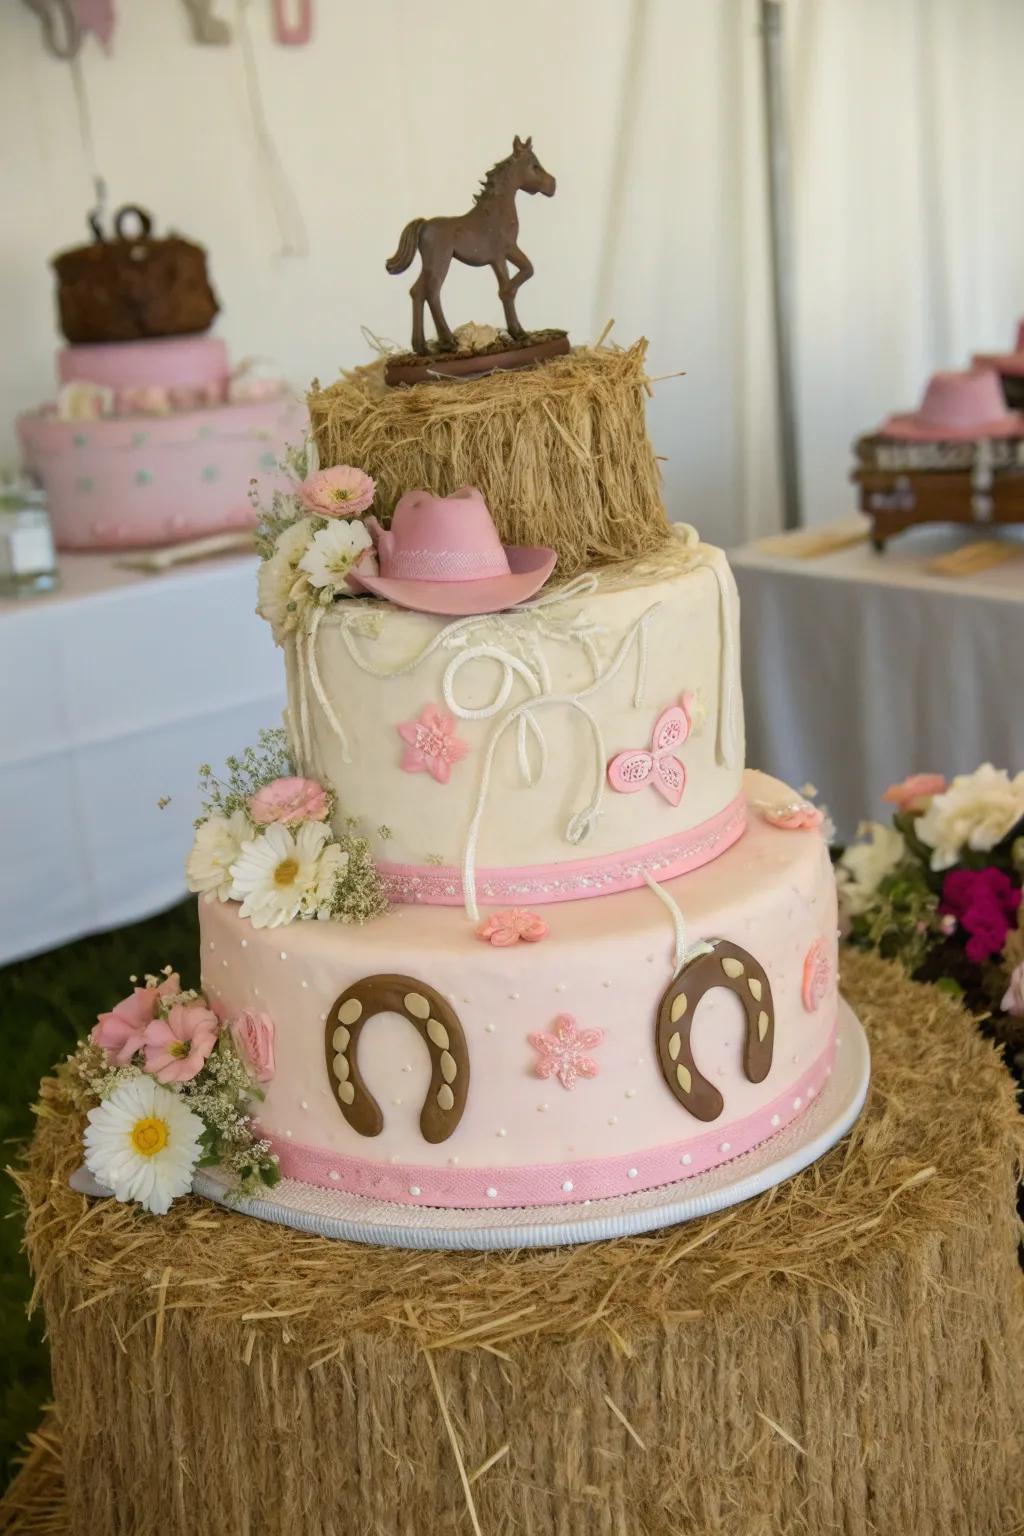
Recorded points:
(112, 692)
(860, 668)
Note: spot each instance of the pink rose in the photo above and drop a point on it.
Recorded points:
(178, 1046)
(122, 1032)
(913, 793)
(253, 1037)
(504, 928)
(1013, 1001)
(338, 492)
(800, 817)
(290, 801)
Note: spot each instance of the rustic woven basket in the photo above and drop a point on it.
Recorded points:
(844, 1354)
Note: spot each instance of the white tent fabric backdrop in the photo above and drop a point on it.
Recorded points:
(909, 237)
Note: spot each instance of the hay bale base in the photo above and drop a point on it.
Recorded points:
(845, 1353)
(559, 451)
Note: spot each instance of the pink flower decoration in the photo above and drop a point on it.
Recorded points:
(817, 975)
(563, 1054)
(799, 817)
(630, 771)
(913, 793)
(339, 492)
(431, 744)
(122, 1032)
(144, 400)
(177, 1047)
(984, 903)
(289, 801)
(253, 1038)
(1013, 1001)
(504, 928)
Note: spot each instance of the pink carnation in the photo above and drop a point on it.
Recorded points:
(122, 1032)
(504, 928)
(177, 1047)
(339, 492)
(253, 1037)
(985, 903)
(913, 793)
(290, 801)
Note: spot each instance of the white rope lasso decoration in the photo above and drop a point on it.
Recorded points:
(682, 953)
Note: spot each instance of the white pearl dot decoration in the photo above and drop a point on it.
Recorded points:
(567, 1187)
(502, 1131)
(454, 1162)
(630, 1093)
(335, 1175)
(490, 1028)
(606, 983)
(303, 1104)
(305, 984)
(542, 1108)
(811, 1092)
(393, 1158)
(256, 993)
(288, 1134)
(797, 1103)
(212, 944)
(724, 1146)
(492, 1193)
(414, 1189)
(686, 1159)
(775, 1120)
(396, 1101)
(245, 943)
(631, 1173)
(613, 1119)
(513, 997)
(561, 987)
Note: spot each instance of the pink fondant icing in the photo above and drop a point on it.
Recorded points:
(441, 886)
(607, 963)
(569, 1183)
(189, 362)
(125, 482)
(659, 767)
(431, 745)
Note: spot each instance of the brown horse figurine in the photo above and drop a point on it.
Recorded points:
(483, 237)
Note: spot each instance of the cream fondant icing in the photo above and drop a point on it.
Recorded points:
(543, 698)
(522, 1138)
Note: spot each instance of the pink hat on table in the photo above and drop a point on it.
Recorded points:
(1004, 362)
(442, 554)
(958, 406)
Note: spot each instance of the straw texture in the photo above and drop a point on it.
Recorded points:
(844, 1354)
(560, 451)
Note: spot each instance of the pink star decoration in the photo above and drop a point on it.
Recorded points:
(504, 928)
(631, 770)
(563, 1053)
(431, 745)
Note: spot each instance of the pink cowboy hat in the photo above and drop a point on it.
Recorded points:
(958, 406)
(1004, 362)
(442, 555)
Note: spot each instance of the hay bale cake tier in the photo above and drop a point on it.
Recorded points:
(417, 1064)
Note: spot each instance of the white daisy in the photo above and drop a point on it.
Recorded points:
(218, 843)
(332, 865)
(143, 1143)
(333, 553)
(277, 874)
(283, 589)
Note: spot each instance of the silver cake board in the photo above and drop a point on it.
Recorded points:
(358, 1219)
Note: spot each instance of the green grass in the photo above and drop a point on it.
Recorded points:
(46, 1004)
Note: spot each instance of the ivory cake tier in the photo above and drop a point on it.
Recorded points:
(544, 698)
(464, 1119)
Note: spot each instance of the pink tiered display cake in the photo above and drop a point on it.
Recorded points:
(507, 942)
(152, 438)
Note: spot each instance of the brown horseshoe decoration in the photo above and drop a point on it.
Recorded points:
(437, 1024)
(735, 969)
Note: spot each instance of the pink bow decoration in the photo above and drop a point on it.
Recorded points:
(630, 771)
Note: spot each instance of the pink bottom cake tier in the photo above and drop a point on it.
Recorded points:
(129, 481)
(418, 1063)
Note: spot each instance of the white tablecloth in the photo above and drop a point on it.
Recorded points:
(112, 692)
(860, 668)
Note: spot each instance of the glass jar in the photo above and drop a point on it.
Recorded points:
(28, 562)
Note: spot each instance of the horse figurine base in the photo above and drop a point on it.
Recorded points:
(503, 356)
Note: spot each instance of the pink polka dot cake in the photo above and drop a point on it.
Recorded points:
(153, 437)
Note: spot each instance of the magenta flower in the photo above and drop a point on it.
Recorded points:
(984, 903)
(289, 800)
(563, 1054)
(122, 1032)
(177, 1047)
(338, 492)
(913, 793)
(504, 928)
(431, 744)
